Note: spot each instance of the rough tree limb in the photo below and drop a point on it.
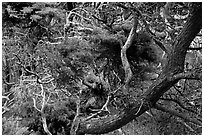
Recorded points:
(128, 43)
(175, 65)
(194, 75)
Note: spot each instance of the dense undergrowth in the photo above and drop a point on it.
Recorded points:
(81, 66)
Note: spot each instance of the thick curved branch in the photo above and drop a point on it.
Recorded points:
(175, 65)
(128, 43)
(182, 43)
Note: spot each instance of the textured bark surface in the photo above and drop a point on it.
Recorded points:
(175, 65)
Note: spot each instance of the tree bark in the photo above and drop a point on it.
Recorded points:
(175, 65)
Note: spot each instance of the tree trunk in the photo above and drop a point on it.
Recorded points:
(175, 65)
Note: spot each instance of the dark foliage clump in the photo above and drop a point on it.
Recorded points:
(9, 18)
(36, 126)
(55, 126)
(141, 52)
(94, 98)
(59, 117)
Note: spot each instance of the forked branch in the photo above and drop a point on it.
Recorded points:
(128, 43)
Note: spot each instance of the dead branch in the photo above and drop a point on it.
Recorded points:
(104, 108)
(45, 125)
(39, 81)
(128, 43)
(75, 123)
(42, 111)
(194, 75)
(8, 83)
(44, 103)
(35, 106)
(5, 106)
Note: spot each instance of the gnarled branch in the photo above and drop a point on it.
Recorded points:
(128, 43)
(175, 65)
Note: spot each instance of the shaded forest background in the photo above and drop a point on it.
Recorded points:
(67, 66)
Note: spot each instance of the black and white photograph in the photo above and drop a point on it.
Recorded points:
(101, 68)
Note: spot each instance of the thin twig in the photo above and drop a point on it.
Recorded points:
(35, 106)
(33, 73)
(76, 121)
(104, 108)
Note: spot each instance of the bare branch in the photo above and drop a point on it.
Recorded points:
(75, 123)
(128, 43)
(8, 83)
(175, 113)
(6, 97)
(44, 102)
(6, 104)
(33, 73)
(180, 92)
(198, 48)
(104, 108)
(35, 106)
(157, 89)
(194, 75)
(45, 125)
(42, 111)
(146, 26)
